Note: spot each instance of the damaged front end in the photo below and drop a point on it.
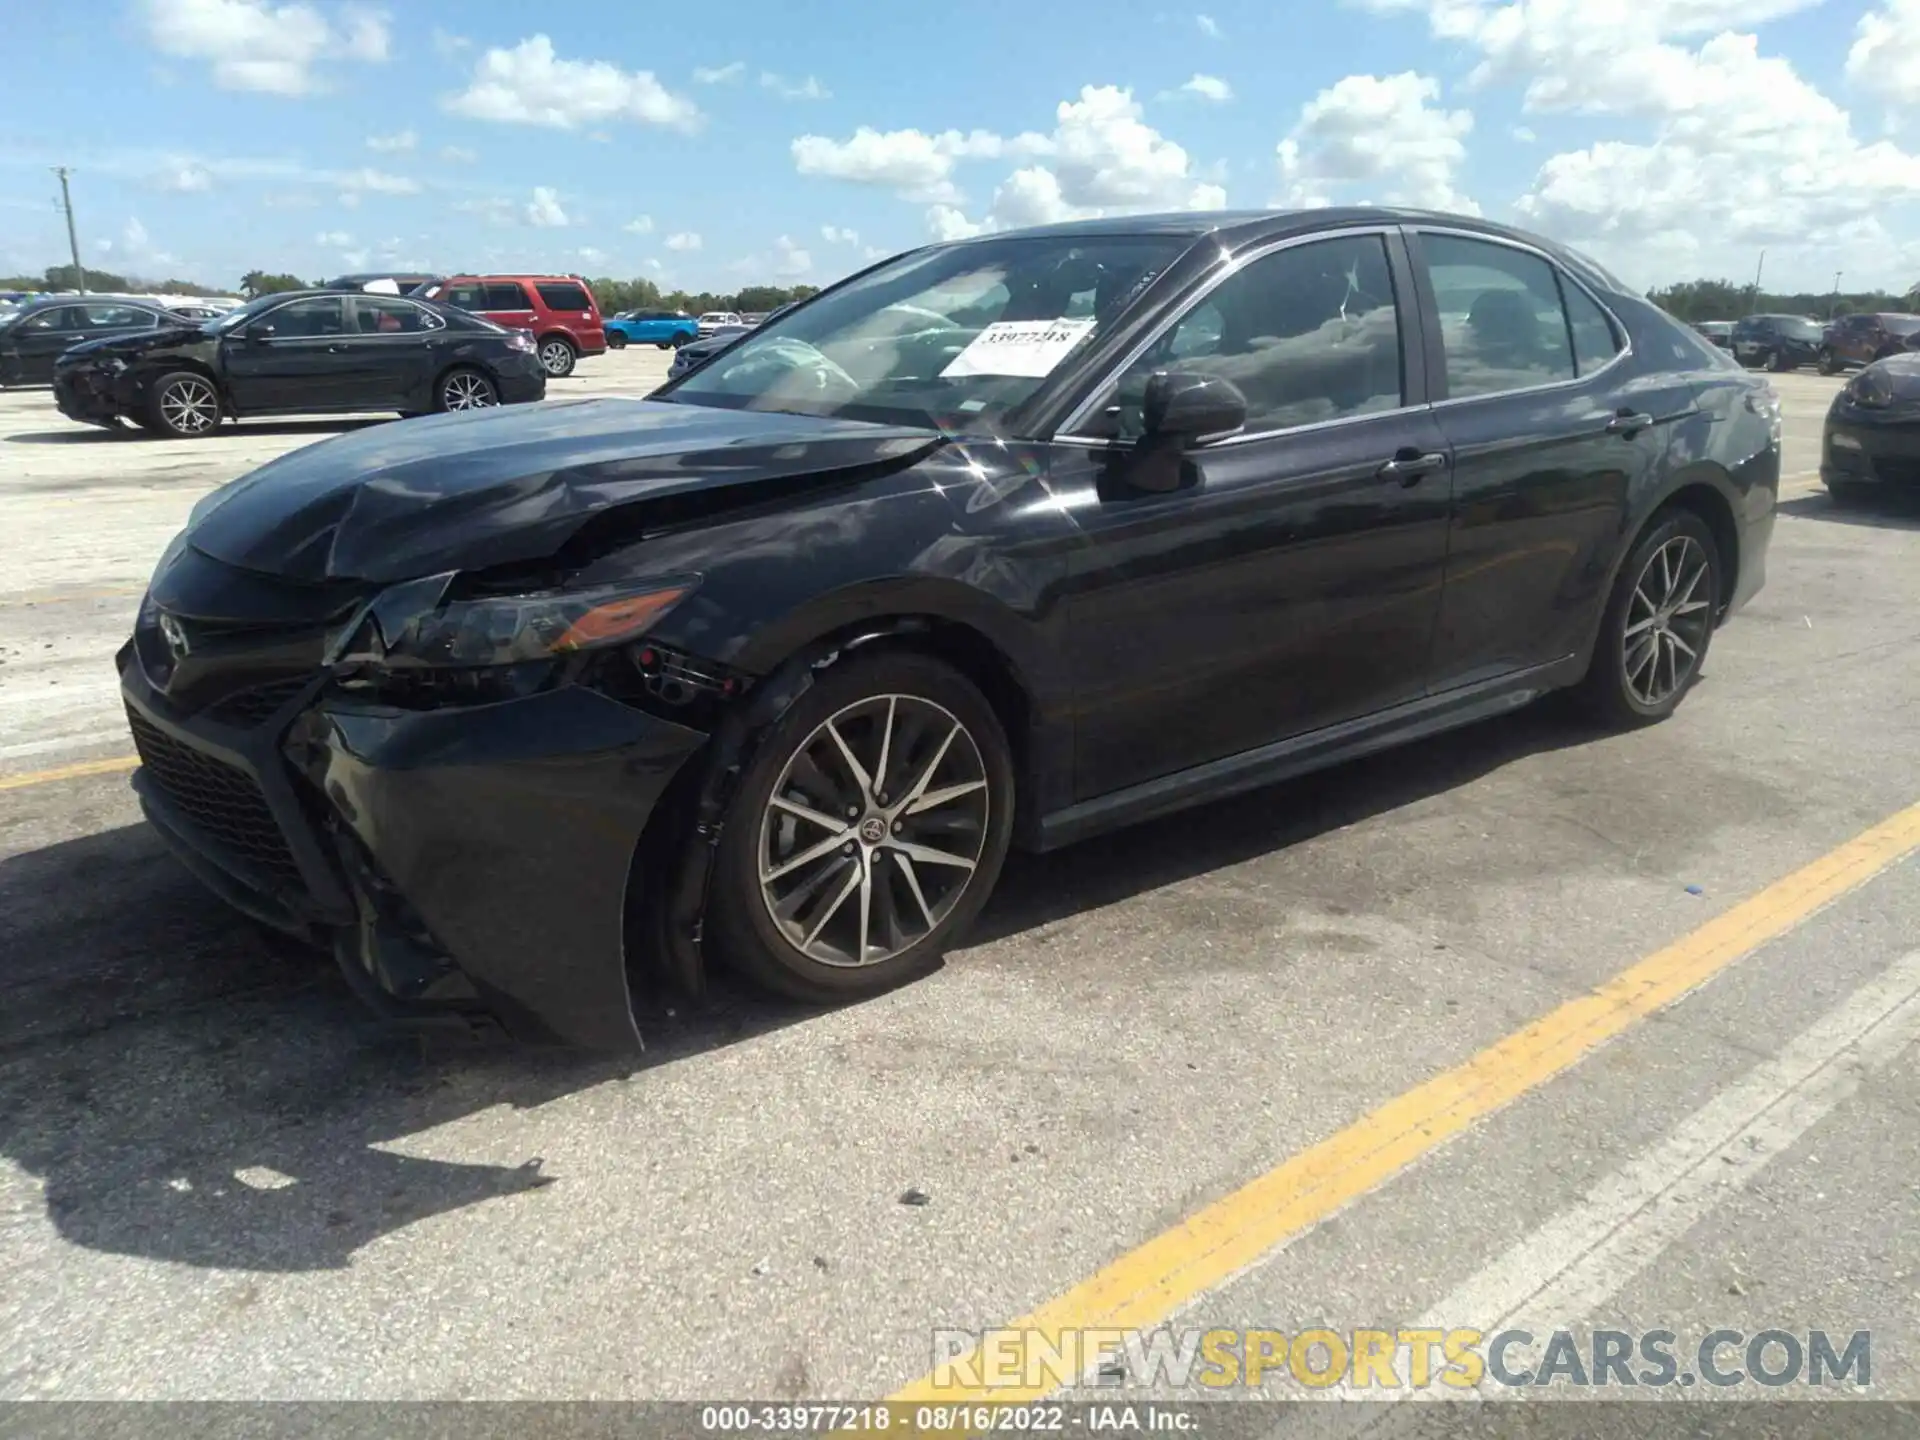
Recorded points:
(464, 797)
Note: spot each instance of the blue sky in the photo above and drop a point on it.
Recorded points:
(710, 146)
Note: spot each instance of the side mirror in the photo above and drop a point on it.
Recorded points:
(1188, 408)
(260, 331)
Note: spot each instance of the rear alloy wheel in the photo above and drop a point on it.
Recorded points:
(467, 390)
(1659, 622)
(557, 356)
(183, 405)
(867, 833)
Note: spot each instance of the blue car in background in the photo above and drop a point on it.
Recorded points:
(665, 328)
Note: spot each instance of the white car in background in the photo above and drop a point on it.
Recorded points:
(717, 320)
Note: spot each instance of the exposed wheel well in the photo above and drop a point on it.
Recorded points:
(1711, 506)
(572, 344)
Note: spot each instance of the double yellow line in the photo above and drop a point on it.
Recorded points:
(77, 771)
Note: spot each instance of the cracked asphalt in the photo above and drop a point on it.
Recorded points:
(218, 1180)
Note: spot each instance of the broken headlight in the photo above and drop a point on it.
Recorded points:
(424, 640)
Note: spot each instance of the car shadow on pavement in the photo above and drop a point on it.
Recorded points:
(101, 435)
(1037, 890)
(1896, 510)
(188, 1087)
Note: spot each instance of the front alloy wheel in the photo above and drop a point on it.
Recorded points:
(873, 831)
(557, 356)
(867, 832)
(185, 405)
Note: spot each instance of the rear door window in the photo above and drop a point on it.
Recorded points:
(506, 295)
(377, 316)
(1502, 324)
(119, 317)
(560, 296)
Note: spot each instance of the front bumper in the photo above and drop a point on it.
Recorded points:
(1868, 448)
(474, 858)
(89, 395)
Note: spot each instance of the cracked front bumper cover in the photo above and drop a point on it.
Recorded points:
(478, 852)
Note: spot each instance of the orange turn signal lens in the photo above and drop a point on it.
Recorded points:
(616, 619)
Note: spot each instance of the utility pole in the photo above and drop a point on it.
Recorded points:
(1833, 310)
(73, 240)
(1754, 302)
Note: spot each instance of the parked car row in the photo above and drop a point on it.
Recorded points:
(1787, 342)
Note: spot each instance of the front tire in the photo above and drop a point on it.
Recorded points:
(183, 405)
(1658, 624)
(1829, 363)
(1778, 362)
(867, 833)
(557, 356)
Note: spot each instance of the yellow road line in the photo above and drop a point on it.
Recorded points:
(1145, 1286)
(75, 771)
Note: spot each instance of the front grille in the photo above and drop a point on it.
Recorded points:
(220, 799)
(248, 708)
(1897, 472)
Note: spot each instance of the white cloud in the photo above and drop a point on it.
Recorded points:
(184, 176)
(839, 235)
(255, 45)
(683, 241)
(392, 144)
(449, 46)
(719, 74)
(137, 248)
(1383, 133)
(1209, 26)
(807, 89)
(333, 239)
(1885, 58)
(1100, 158)
(592, 255)
(378, 181)
(349, 198)
(639, 225)
(458, 154)
(1209, 87)
(494, 210)
(914, 165)
(530, 85)
(1524, 134)
(544, 209)
(1736, 149)
(790, 262)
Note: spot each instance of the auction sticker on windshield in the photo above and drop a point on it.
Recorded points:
(1018, 347)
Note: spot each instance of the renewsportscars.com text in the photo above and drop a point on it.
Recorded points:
(1380, 1361)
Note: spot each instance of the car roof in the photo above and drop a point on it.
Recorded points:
(509, 275)
(44, 301)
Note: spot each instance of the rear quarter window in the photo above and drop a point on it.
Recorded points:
(557, 296)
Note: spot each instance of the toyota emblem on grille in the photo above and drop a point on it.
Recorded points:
(175, 634)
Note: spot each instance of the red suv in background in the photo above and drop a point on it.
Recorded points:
(559, 310)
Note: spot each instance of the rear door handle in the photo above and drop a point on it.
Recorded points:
(1410, 468)
(1629, 422)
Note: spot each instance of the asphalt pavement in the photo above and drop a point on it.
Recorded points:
(1350, 1054)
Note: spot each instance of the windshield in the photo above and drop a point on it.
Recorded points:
(1902, 324)
(955, 335)
(1800, 329)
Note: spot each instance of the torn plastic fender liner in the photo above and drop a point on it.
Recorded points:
(510, 829)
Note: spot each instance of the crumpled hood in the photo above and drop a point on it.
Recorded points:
(133, 344)
(495, 487)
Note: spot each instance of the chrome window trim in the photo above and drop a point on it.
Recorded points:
(1565, 276)
(1066, 433)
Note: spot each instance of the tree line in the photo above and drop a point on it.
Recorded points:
(1696, 300)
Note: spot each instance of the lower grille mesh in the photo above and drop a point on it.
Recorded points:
(222, 800)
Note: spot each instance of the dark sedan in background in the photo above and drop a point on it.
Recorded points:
(1778, 342)
(33, 337)
(695, 353)
(1008, 541)
(1862, 339)
(302, 352)
(1872, 439)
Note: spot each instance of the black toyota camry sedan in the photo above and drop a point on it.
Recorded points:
(1872, 439)
(299, 353)
(998, 543)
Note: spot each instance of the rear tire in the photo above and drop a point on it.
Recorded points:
(465, 388)
(1658, 624)
(1829, 363)
(871, 909)
(182, 406)
(557, 356)
(1778, 363)
(616, 340)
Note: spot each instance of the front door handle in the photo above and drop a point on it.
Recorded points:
(1410, 467)
(1629, 422)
